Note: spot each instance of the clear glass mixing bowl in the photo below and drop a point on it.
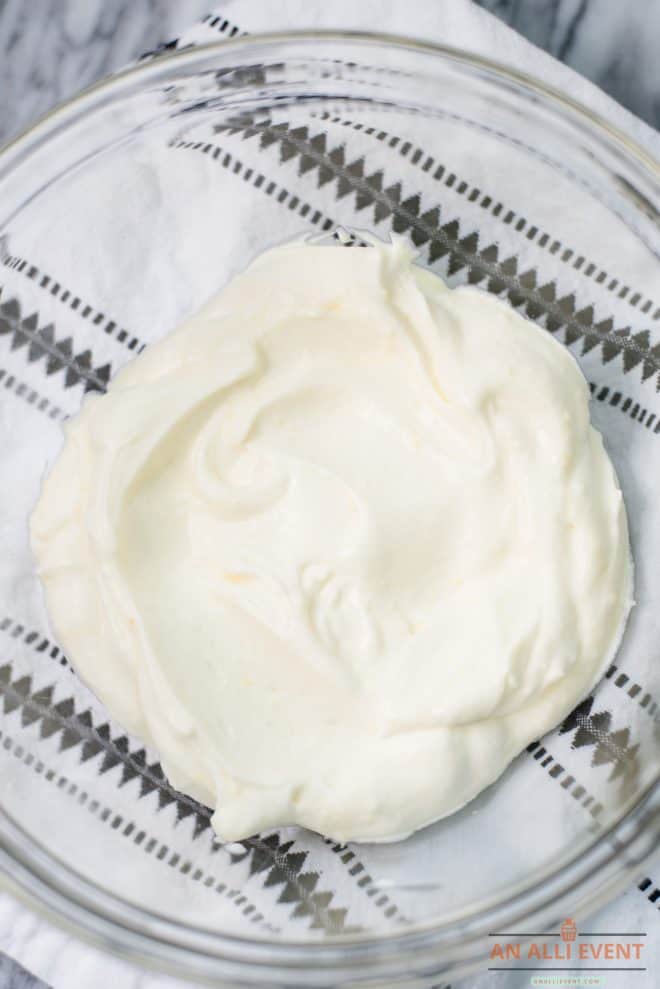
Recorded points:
(120, 213)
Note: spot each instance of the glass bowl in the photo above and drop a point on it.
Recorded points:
(120, 213)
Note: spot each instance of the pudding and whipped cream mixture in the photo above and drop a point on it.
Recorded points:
(340, 546)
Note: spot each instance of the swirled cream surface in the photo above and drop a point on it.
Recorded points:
(340, 546)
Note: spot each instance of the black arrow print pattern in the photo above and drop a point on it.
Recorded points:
(593, 728)
(131, 831)
(611, 746)
(604, 394)
(516, 288)
(83, 309)
(43, 645)
(220, 24)
(407, 215)
(417, 157)
(41, 345)
(637, 350)
(77, 729)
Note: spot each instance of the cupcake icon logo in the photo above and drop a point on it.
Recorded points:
(568, 930)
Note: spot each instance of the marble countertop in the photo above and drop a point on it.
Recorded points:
(51, 48)
(612, 43)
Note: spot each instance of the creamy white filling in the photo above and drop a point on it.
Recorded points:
(340, 546)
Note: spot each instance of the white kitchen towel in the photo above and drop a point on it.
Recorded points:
(57, 958)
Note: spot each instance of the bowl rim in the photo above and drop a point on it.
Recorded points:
(374, 38)
(94, 913)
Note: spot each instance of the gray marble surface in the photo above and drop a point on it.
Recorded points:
(613, 43)
(51, 48)
(14, 976)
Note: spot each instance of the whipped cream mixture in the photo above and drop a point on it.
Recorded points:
(340, 546)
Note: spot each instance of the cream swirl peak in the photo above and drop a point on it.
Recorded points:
(340, 546)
